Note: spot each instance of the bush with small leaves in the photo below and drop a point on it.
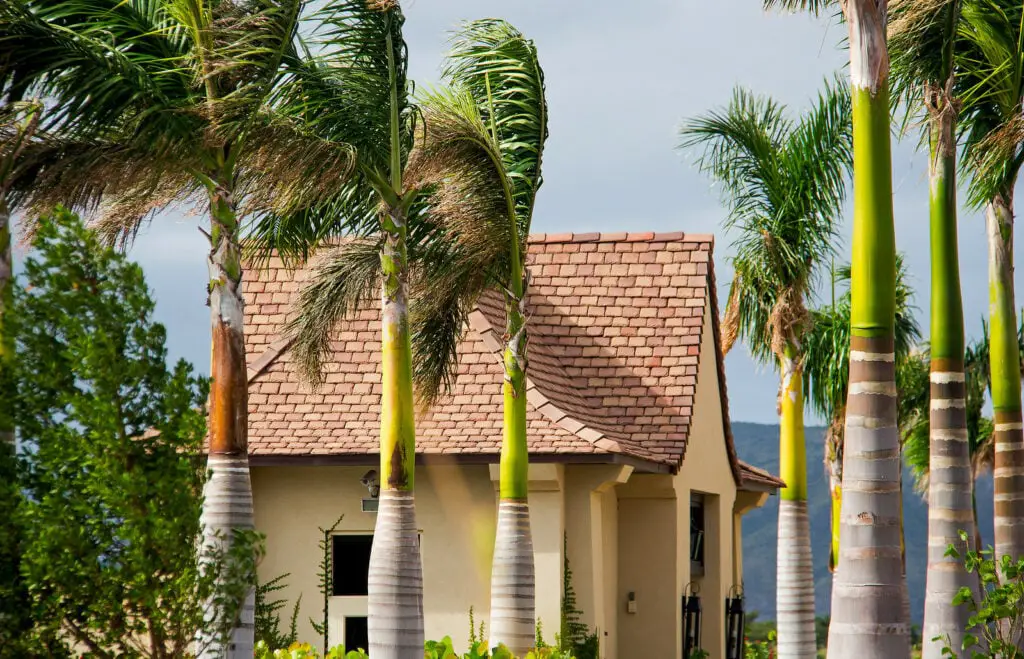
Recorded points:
(996, 623)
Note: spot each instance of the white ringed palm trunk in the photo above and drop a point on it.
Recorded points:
(950, 510)
(395, 581)
(513, 583)
(795, 590)
(227, 505)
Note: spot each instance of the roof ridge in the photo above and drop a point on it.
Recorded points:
(622, 236)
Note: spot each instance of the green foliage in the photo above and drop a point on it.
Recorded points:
(575, 636)
(760, 649)
(443, 649)
(699, 653)
(757, 630)
(997, 618)
(268, 619)
(305, 651)
(111, 470)
(784, 183)
(326, 576)
(474, 635)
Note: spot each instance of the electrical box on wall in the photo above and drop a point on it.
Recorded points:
(370, 505)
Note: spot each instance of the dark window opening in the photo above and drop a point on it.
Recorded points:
(697, 535)
(357, 636)
(350, 567)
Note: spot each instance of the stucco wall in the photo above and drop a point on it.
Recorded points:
(706, 469)
(455, 510)
(627, 532)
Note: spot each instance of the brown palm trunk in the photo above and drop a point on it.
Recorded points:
(227, 505)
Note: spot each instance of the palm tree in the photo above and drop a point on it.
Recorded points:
(784, 184)
(826, 374)
(923, 37)
(868, 615)
(158, 102)
(827, 377)
(990, 74)
(480, 155)
(381, 230)
(915, 422)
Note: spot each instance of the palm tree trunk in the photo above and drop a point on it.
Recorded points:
(868, 617)
(795, 592)
(6, 347)
(227, 504)
(834, 466)
(1004, 356)
(513, 584)
(395, 582)
(950, 485)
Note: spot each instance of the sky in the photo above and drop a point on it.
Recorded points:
(621, 77)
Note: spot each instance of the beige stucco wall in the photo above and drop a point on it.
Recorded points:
(626, 532)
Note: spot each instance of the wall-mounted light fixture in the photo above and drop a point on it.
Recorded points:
(371, 483)
(734, 623)
(691, 619)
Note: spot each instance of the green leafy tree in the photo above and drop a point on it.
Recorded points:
(784, 183)
(112, 475)
(157, 103)
(996, 613)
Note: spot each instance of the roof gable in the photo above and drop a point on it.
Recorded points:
(615, 330)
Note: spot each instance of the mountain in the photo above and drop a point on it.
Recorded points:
(758, 444)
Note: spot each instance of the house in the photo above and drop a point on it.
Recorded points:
(633, 479)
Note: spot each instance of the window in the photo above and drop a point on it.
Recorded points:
(356, 634)
(350, 567)
(696, 535)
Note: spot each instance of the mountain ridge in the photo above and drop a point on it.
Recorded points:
(758, 444)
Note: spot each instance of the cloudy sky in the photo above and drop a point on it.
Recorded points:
(620, 79)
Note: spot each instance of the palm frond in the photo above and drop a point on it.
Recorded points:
(461, 169)
(287, 168)
(343, 93)
(990, 82)
(826, 346)
(339, 286)
(815, 7)
(922, 38)
(784, 184)
(116, 186)
(501, 71)
(104, 60)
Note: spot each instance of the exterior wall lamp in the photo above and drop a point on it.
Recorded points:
(734, 623)
(691, 619)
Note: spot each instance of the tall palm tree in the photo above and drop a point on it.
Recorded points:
(923, 36)
(784, 184)
(158, 102)
(381, 230)
(827, 376)
(869, 618)
(990, 61)
(480, 156)
(915, 422)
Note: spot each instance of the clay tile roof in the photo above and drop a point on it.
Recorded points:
(615, 330)
(755, 476)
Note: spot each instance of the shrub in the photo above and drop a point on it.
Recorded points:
(442, 649)
(111, 511)
(997, 620)
(760, 649)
